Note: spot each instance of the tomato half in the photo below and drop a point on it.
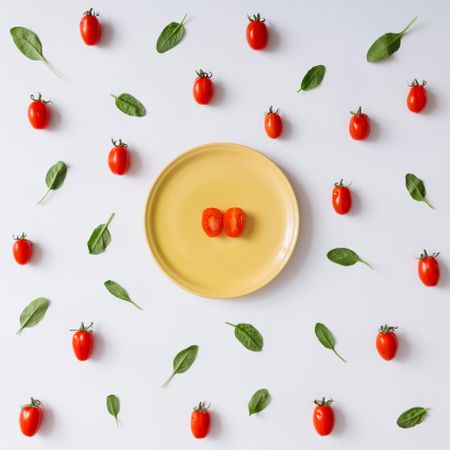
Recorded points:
(200, 421)
(257, 33)
(119, 158)
(90, 28)
(417, 97)
(22, 249)
(273, 123)
(30, 417)
(203, 90)
(38, 112)
(428, 268)
(323, 417)
(234, 222)
(341, 198)
(387, 342)
(212, 221)
(83, 342)
(359, 126)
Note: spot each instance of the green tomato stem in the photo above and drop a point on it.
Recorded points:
(408, 26)
(339, 356)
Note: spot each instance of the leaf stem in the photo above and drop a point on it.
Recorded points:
(117, 421)
(408, 26)
(109, 220)
(51, 67)
(231, 325)
(135, 304)
(168, 379)
(339, 356)
(366, 263)
(428, 203)
(43, 198)
(113, 96)
(184, 18)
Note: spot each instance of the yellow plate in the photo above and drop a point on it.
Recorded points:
(222, 176)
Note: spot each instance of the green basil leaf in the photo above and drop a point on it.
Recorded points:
(100, 238)
(326, 338)
(259, 401)
(55, 178)
(345, 257)
(129, 105)
(412, 417)
(183, 361)
(118, 291)
(170, 36)
(248, 336)
(313, 78)
(416, 188)
(113, 405)
(386, 45)
(33, 313)
(27, 42)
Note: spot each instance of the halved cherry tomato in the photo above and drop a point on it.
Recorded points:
(234, 222)
(200, 421)
(273, 123)
(257, 33)
(428, 269)
(22, 249)
(417, 97)
(30, 417)
(203, 87)
(83, 342)
(119, 158)
(323, 417)
(387, 342)
(90, 27)
(38, 112)
(341, 198)
(212, 221)
(359, 125)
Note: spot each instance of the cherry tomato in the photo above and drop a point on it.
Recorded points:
(38, 112)
(30, 417)
(83, 342)
(203, 87)
(212, 221)
(417, 97)
(428, 268)
(119, 158)
(257, 33)
(234, 222)
(387, 342)
(359, 125)
(341, 198)
(273, 123)
(200, 420)
(90, 28)
(22, 249)
(323, 417)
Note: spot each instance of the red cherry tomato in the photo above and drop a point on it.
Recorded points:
(428, 268)
(323, 417)
(341, 198)
(119, 158)
(22, 249)
(234, 222)
(387, 342)
(257, 33)
(417, 97)
(273, 123)
(30, 417)
(200, 421)
(212, 221)
(359, 125)
(38, 112)
(90, 28)
(83, 342)
(203, 87)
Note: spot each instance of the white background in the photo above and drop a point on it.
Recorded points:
(134, 349)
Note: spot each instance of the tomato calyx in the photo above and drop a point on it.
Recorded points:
(201, 407)
(415, 83)
(341, 184)
(323, 402)
(424, 255)
(20, 237)
(118, 143)
(34, 403)
(271, 111)
(201, 74)
(358, 113)
(83, 327)
(91, 12)
(39, 99)
(256, 18)
(387, 329)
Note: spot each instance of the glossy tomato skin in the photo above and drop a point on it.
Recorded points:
(428, 269)
(30, 418)
(90, 28)
(417, 96)
(273, 123)
(200, 421)
(341, 198)
(387, 342)
(119, 158)
(257, 33)
(22, 249)
(234, 221)
(38, 113)
(359, 126)
(203, 90)
(323, 417)
(212, 221)
(83, 342)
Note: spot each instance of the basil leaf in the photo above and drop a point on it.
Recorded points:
(386, 45)
(113, 405)
(326, 338)
(416, 188)
(33, 313)
(345, 257)
(129, 105)
(100, 238)
(412, 417)
(183, 361)
(118, 291)
(55, 178)
(313, 78)
(170, 36)
(248, 336)
(259, 401)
